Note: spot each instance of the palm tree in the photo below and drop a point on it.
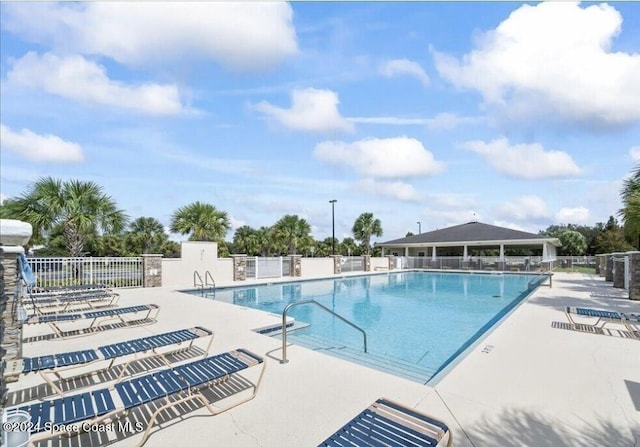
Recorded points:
(293, 232)
(364, 227)
(573, 243)
(349, 246)
(630, 211)
(266, 242)
(80, 208)
(147, 234)
(201, 221)
(245, 240)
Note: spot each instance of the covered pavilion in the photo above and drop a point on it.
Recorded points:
(462, 240)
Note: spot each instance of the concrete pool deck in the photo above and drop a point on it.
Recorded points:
(526, 384)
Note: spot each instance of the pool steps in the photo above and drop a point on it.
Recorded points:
(382, 363)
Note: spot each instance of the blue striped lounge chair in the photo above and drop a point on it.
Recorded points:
(72, 302)
(631, 321)
(389, 424)
(97, 318)
(91, 296)
(166, 388)
(54, 367)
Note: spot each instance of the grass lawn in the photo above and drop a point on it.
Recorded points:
(576, 269)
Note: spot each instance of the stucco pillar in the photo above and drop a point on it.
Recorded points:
(433, 253)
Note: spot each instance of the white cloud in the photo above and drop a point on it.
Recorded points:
(390, 157)
(433, 219)
(517, 226)
(2, 198)
(634, 153)
(398, 67)
(311, 110)
(393, 190)
(77, 78)
(240, 35)
(39, 148)
(525, 207)
(578, 215)
(390, 120)
(528, 161)
(553, 61)
(442, 121)
(448, 121)
(236, 223)
(450, 200)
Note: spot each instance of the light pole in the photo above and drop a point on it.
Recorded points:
(419, 228)
(333, 226)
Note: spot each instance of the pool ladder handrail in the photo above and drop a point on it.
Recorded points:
(197, 281)
(531, 282)
(207, 277)
(298, 303)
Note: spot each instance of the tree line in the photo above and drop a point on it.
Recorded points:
(76, 218)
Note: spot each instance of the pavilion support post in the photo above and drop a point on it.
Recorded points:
(465, 259)
(501, 264)
(433, 257)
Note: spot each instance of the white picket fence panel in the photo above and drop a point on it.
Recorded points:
(110, 271)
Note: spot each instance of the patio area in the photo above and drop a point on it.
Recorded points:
(526, 384)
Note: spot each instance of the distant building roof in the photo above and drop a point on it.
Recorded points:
(468, 232)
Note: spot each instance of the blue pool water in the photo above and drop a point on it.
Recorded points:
(415, 318)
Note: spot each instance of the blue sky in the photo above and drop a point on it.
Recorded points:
(521, 115)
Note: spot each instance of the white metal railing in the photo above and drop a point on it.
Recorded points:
(582, 261)
(352, 264)
(488, 263)
(259, 267)
(110, 271)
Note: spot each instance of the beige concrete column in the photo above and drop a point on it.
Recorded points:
(152, 270)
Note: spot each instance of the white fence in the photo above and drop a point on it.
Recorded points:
(489, 263)
(110, 271)
(272, 267)
(352, 264)
(576, 261)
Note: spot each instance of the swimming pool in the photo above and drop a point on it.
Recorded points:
(416, 320)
